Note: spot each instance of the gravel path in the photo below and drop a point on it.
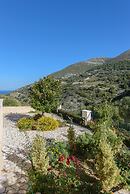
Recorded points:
(15, 142)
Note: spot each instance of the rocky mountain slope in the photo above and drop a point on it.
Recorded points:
(123, 56)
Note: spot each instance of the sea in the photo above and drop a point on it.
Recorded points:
(5, 91)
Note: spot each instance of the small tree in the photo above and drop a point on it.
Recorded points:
(106, 168)
(39, 158)
(45, 94)
(71, 137)
(107, 146)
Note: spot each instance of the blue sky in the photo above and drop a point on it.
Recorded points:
(38, 37)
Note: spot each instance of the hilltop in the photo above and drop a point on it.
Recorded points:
(123, 56)
(81, 67)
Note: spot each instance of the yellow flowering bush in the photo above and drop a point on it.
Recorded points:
(41, 124)
(25, 124)
(47, 124)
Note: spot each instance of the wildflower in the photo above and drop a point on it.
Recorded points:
(68, 161)
(73, 158)
(61, 158)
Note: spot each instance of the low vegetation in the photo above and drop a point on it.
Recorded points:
(91, 163)
(25, 124)
(41, 124)
(44, 97)
(47, 124)
(86, 90)
(10, 100)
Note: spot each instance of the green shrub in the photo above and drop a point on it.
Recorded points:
(103, 131)
(39, 158)
(107, 112)
(106, 167)
(114, 140)
(56, 149)
(47, 124)
(45, 94)
(25, 123)
(85, 146)
(71, 115)
(71, 138)
(10, 101)
(126, 137)
(123, 163)
(41, 124)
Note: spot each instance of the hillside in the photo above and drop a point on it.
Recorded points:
(123, 56)
(105, 82)
(79, 68)
(21, 94)
(89, 83)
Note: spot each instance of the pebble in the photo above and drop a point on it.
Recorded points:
(3, 179)
(2, 189)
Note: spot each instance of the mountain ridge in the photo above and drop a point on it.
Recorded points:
(83, 66)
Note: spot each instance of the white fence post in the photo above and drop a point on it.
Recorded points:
(1, 134)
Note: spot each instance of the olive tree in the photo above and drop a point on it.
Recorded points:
(45, 94)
